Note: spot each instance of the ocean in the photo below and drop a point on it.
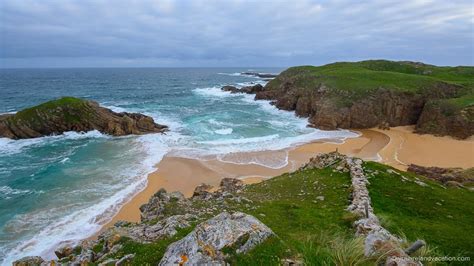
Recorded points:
(62, 188)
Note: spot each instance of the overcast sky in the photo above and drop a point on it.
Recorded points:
(121, 33)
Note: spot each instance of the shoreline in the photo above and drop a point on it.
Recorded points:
(396, 147)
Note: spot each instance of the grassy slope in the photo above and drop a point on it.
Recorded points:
(37, 113)
(357, 79)
(443, 217)
(319, 232)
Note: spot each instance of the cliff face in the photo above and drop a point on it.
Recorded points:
(354, 95)
(72, 114)
(442, 118)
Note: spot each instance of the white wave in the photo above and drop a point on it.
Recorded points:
(215, 92)
(10, 146)
(91, 219)
(236, 74)
(9, 113)
(225, 131)
(275, 160)
(6, 192)
(251, 83)
(66, 229)
(239, 141)
(116, 108)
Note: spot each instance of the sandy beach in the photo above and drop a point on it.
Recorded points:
(397, 147)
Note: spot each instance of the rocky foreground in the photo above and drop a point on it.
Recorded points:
(73, 114)
(438, 100)
(332, 203)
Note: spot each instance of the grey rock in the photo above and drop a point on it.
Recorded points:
(86, 257)
(64, 251)
(204, 244)
(125, 259)
(231, 185)
(202, 192)
(109, 262)
(29, 261)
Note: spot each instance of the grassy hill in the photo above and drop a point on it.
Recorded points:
(370, 93)
(359, 78)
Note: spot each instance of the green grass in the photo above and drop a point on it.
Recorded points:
(461, 102)
(37, 114)
(442, 217)
(150, 253)
(319, 232)
(359, 79)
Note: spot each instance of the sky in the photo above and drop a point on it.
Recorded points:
(232, 33)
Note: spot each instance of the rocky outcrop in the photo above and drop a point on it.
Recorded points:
(204, 245)
(73, 114)
(247, 89)
(29, 261)
(362, 97)
(448, 176)
(259, 75)
(328, 111)
(444, 119)
(163, 217)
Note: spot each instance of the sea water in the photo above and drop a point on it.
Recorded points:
(61, 188)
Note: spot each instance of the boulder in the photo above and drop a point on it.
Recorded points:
(231, 185)
(29, 261)
(248, 89)
(231, 89)
(252, 89)
(63, 252)
(202, 192)
(155, 206)
(204, 245)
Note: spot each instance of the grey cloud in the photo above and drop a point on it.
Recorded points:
(232, 33)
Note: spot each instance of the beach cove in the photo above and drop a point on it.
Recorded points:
(397, 147)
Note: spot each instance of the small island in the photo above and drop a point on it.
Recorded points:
(74, 114)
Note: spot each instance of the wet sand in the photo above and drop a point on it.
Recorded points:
(396, 147)
(406, 148)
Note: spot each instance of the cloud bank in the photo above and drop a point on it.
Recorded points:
(69, 33)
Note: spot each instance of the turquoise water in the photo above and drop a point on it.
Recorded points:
(61, 188)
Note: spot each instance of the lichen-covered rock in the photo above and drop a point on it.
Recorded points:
(203, 246)
(29, 261)
(145, 233)
(156, 204)
(73, 114)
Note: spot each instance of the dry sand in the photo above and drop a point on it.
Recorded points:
(397, 147)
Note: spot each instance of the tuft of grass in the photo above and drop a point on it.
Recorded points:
(334, 249)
